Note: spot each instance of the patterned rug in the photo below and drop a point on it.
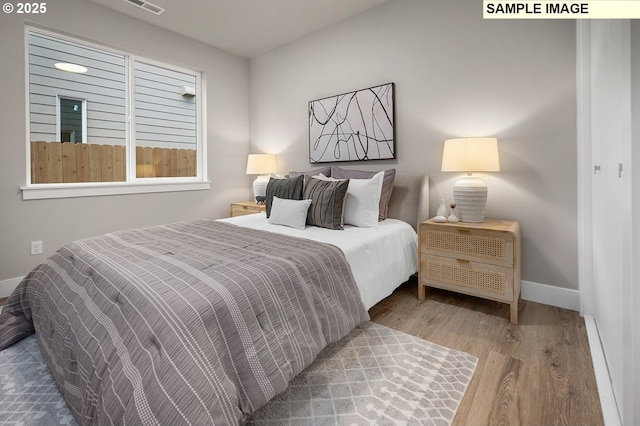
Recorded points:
(375, 375)
(28, 394)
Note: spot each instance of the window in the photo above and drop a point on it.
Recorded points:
(104, 119)
(72, 120)
(165, 122)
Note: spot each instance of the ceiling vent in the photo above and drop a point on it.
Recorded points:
(150, 7)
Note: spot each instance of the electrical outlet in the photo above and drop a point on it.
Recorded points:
(36, 247)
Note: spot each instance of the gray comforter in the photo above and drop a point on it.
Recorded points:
(192, 323)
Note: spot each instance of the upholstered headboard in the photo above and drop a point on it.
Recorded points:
(410, 198)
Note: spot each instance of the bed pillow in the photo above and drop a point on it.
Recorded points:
(324, 170)
(362, 202)
(387, 185)
(292, 213)
(327, 202)
(287, 189)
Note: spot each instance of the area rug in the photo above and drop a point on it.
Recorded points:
(28, 394)
(375, 375)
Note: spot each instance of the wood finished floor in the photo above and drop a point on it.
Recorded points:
(538, 372)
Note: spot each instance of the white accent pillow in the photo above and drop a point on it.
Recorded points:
(362, 201)
(292, 213)
(361, 204)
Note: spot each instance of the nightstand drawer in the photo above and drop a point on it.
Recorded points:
(247, 207)
(476, 278)
(468, 244)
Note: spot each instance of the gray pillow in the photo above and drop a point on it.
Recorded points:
(387, 185)
(327, 202)
(324, 170)
(292, 213)
(286, 189)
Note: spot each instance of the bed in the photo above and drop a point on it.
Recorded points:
(391, 247)
(198, 322)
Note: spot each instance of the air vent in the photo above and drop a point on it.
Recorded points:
(153, 8)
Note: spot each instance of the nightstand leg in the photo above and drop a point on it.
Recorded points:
(514, 312)
(421, 289)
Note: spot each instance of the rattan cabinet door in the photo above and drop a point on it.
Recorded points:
(479, 279)
(473, 245)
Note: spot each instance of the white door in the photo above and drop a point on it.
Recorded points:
(611, 212)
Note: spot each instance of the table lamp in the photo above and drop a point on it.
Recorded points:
(262, 165)
(470, 155)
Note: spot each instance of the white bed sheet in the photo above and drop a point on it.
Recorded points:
(381, 258)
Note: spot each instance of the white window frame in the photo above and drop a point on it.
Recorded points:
(132, 184)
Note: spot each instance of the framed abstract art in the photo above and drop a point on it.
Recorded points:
(354, 126)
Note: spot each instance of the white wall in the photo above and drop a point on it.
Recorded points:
(456, 75)
(58, 221)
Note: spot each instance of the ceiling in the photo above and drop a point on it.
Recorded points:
(246, 28)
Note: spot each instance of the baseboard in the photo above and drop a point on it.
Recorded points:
(603, 380)
(7, 286)
(550, 295)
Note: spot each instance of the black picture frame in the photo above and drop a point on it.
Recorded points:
(353, 126)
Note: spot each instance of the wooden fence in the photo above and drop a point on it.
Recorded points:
(165, 162)
(55, 162)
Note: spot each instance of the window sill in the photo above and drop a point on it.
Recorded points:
(45, 191)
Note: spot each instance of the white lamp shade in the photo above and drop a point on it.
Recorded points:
(471, 155)
(261, 164)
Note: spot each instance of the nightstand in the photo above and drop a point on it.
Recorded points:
(247, 207)
(479, 259)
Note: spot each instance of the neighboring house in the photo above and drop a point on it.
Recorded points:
(63, 104)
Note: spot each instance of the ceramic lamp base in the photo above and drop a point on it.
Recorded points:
(470, 196)
(260, 188)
